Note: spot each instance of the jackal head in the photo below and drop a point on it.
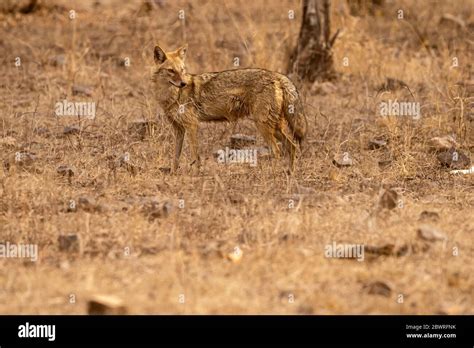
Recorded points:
(170, 66)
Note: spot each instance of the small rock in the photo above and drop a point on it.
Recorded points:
(58, 60)
(429, 215)
(70, 243)
(167, 208)
(165, 170)
(237, 198)
(389, 199)
(24, 159)
(378, 288)
(19, 7)
(89, 205)
(69, 130)
(384, 162)
(342, 160)
(122, 160)
(377, 143)
(454, 159)
(42, 131)
(403, 250)
(156, 210)
(235, 256)
(122, 62)
(303, 190)
(66, 170)
(82, 90)
(105, 305)
(65, 265)
(239, 141)
(430, 233)
(387, 249)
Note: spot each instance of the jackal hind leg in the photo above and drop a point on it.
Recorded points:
(289, 145)
(268, 133)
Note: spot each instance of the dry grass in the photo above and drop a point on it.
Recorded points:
(282, 224)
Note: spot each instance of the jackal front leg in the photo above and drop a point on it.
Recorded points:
(179, 135)
(194, 146)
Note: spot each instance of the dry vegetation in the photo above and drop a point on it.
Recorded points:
(137, 240)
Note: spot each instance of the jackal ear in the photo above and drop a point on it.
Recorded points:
(159, 55)
(182, 52)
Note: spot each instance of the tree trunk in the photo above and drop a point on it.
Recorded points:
(312, 58)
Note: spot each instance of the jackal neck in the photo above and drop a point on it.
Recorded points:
(169, 96)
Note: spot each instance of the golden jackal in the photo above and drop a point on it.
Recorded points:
(268, 98)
